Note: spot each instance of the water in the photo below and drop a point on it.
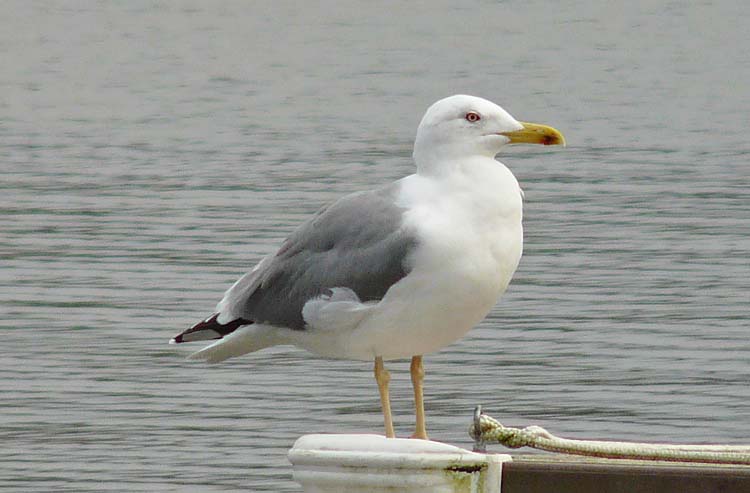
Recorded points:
(152, 152)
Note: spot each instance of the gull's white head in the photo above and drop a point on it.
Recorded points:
(461, 126)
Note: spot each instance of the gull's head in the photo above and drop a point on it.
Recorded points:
(463, 126)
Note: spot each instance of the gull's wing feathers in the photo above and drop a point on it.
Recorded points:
(358, 243)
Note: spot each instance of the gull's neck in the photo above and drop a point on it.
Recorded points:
(445, 166)
(436, 158)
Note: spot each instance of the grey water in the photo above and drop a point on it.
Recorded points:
(151, 152)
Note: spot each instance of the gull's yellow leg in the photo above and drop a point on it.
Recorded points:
(383, 378)
(417, 377)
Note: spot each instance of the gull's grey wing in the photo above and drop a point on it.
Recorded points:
(358, 242)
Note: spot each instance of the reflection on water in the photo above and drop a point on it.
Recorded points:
(152, 153)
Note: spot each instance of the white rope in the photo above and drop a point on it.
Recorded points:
(488, 430)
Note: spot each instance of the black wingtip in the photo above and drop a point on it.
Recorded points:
(209, 328)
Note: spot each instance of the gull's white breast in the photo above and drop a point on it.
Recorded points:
(470, 241)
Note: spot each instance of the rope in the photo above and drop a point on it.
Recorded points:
(486, 429)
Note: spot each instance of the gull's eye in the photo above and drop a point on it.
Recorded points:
(473, 116)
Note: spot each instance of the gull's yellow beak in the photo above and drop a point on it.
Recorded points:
(533, 133)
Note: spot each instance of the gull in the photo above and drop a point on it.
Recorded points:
(396, 272)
